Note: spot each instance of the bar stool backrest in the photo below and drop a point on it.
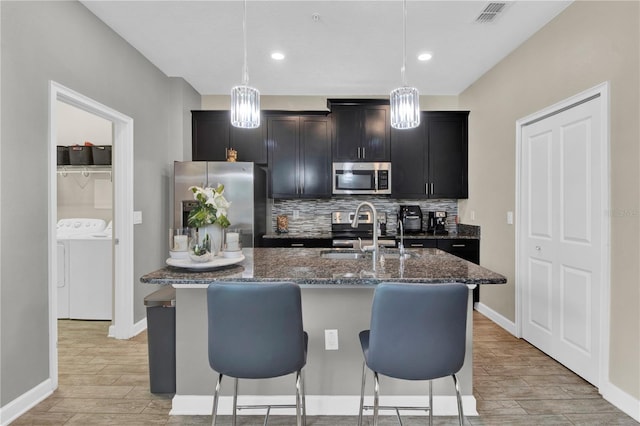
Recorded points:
(418, 331)
(255, 329)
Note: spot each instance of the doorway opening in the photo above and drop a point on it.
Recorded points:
(122, 326)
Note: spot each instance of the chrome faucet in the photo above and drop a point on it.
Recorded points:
(354, 224)
(401, 245)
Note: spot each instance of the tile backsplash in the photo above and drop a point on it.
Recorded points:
(314, 215)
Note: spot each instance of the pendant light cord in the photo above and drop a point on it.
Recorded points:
(404, 42)
(245, 68)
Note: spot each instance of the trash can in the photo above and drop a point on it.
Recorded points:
(161, 338)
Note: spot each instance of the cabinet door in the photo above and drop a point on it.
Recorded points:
(468, 249)
(209, 135)
(283, 156)
(447, 156)
(250, 143)
(315, 157)
(376, 129)
(408, 149)
(347, 134)
(419, 243)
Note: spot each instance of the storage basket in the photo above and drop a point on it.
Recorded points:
(80, 155)
(101, 154)
(63, 155)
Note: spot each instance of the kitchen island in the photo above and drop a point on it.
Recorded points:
(336, 295)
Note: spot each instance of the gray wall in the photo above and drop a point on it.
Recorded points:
(64, 42)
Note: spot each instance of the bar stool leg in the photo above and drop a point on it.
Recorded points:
(298, 398)
(376, 402)
(364, 377)
(235, 402)
(459, 398)
(430, 402)
(215, 401)
(304, 401)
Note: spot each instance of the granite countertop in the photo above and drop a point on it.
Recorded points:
(307, 268)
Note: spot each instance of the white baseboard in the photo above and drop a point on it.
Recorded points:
(25, 402)
(494, 316)
(320, 405)
(621, 400)
(137, 328)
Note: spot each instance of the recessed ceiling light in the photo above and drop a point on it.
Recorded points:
(278, 56)
(424, 56)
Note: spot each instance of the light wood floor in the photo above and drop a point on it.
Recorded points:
(105, 381)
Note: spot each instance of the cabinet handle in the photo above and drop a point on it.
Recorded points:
(431, 188)
(458, 245)
(297, 244)
(426, 188)
(363, 154)
(358, 152)
(416, 245)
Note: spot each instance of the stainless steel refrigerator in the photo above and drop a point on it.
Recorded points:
(245, 186)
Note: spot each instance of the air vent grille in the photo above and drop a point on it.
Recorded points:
(490, 12)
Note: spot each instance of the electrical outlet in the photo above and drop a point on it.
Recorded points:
(331, 340)
(509, 218)
(473, 215)
(296, 214)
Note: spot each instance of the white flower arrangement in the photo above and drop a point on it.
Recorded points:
(212, 207)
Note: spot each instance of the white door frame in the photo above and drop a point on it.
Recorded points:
(122, 326)
(602, 91)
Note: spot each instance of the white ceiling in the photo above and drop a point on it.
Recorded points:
(354, 48)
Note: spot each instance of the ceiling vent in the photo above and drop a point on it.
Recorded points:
(491, 12)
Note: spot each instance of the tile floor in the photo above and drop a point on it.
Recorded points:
(105, 381)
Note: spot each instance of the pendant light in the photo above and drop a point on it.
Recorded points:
(245, 100)
(404, 101)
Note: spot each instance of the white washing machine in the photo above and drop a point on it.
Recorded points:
(84, 269)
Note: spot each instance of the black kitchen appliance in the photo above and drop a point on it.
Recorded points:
(343, 235)
(437, 223)
(411, 218)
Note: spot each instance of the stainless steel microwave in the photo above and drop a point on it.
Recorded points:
(361, 178)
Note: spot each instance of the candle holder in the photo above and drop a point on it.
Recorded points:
(232, 246)
(179, 240)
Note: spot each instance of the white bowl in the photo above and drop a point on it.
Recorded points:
(231, 254)
(179, 254)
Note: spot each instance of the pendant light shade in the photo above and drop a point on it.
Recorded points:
(245, 107)
(404, 101)
(245, 100)
(405, 108)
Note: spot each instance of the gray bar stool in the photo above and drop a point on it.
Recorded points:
(418, 332)
(255, 332)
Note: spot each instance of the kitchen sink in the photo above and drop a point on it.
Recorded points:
(344, 254)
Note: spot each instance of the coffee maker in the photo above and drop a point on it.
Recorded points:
(411, 218)
(437, 223)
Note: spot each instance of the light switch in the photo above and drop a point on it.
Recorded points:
(137, 217)
(509, 218)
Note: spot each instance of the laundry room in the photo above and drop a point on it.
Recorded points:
(84, 213)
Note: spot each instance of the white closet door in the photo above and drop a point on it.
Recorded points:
(561, 246)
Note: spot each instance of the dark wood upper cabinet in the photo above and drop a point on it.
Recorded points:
(360, 130)
(213, 134)
(299, 156)
(431, 160)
